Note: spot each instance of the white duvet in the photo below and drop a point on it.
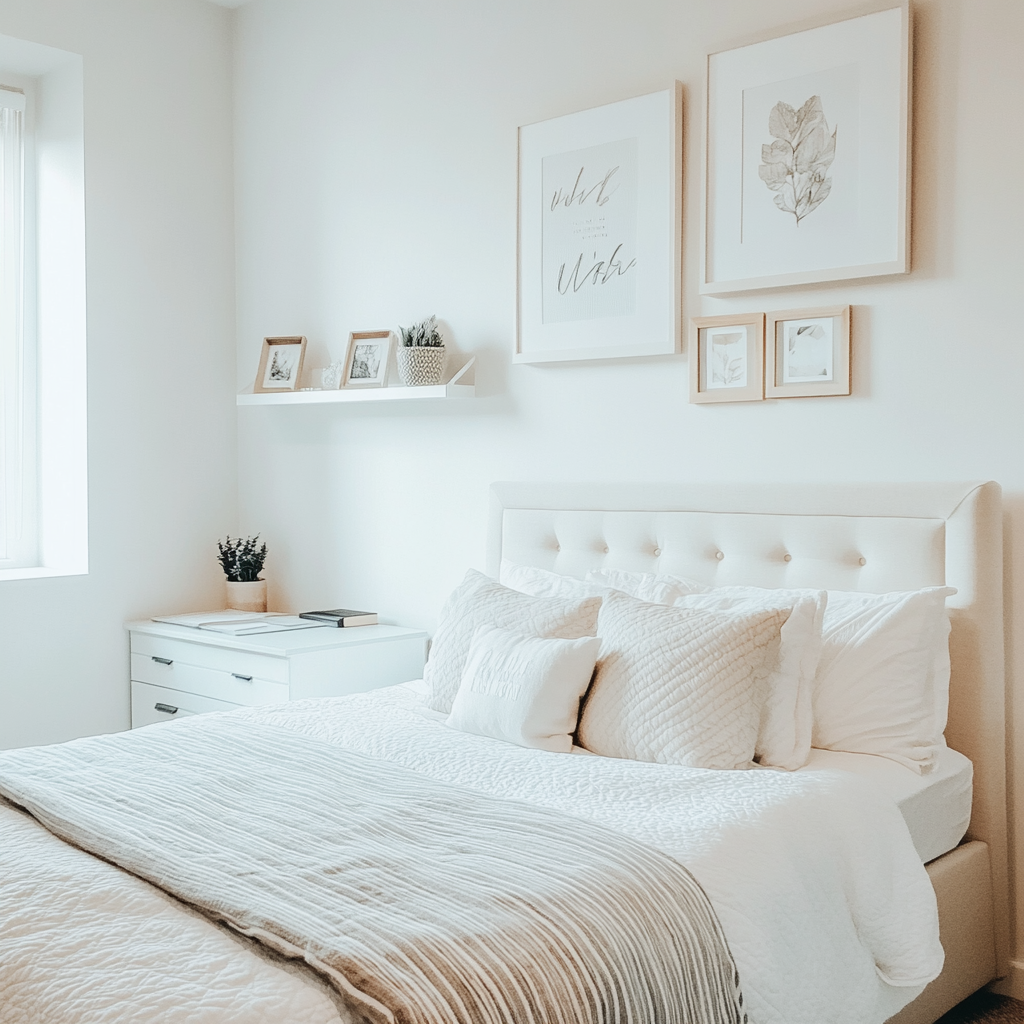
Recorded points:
(827, 909)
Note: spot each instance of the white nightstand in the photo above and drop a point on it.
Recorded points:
(178, 671)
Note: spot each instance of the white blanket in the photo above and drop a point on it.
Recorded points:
(826, 907)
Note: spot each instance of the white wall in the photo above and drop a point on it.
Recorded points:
(159, 250)
(376, 158)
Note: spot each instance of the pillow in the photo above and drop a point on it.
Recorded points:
(679, 685)
(784, 732)
(658, 588)
(882, 685)
(524, 689)
(542, 583)
(480, 601)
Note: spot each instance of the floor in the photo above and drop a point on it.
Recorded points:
(985, 1008)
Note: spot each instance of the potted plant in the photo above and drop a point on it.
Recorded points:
(242, 562)
(421, 353)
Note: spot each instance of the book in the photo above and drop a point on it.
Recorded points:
(342, 617)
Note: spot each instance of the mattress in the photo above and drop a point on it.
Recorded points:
(936, 806)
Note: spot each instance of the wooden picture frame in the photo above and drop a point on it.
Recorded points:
(280, 365)
(839, 94)
(733, 371)
(366, 359)
(818, 363)
(599, 239)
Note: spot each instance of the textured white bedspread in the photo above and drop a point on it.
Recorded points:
(827, 908)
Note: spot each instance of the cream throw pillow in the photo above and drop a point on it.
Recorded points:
(480, 601)
(528, 579)
(784, 735)
(678, 685)
(658, 588)
(524, 689)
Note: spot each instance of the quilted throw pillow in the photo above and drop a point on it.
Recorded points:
(656, 587)
(528, 579)
(679, 685)
(480, 601)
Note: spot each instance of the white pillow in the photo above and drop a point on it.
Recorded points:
(678, 685)
(528, 579)
(882, 685)
(784, 733)
(524, 689)
(480, 601)
(658, 588)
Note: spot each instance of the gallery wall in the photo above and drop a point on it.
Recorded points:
(376, 184)
(160, 322)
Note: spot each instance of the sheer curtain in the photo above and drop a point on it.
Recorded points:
(12, 355)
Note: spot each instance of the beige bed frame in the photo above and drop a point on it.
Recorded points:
(865, 537)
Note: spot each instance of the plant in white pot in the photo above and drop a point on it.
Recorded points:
(242, 562)
(421, 353)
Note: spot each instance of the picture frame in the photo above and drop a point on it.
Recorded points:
(599, 232)
(727, 358)
(280, 366)
(366, 359)
(839, 96)
(807, 352)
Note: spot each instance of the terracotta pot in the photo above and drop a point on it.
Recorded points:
(419, 365)
(247, 597)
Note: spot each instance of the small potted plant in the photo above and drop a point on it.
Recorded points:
(421, 353)
(242, 562)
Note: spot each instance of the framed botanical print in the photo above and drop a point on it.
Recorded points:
(366, 361)
(807, 352)
(280, 365)
(807, 156)
(599, 232)
(727, 358)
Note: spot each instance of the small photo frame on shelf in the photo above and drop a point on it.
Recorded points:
(807, 352)
(727, 358)
(280, 365)
(366, 361)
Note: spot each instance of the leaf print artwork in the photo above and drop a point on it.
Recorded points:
(728, 359)
(795, 166)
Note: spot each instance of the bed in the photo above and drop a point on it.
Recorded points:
(123, 949)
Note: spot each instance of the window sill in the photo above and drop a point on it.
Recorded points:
(38, 572)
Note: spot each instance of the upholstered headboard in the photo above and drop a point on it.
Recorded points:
(864, 537)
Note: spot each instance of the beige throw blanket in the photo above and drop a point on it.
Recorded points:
(421, 901)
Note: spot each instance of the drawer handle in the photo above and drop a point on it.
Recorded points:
(245, 679)
(168, 709)
(161, 661)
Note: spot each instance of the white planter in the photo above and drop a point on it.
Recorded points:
(420, 365)
(247, 597)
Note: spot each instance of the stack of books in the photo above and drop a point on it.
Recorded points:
(341, 617)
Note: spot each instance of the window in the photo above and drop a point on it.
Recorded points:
(17, 378)
(44, 524)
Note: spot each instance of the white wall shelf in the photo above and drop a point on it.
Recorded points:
(455, 388)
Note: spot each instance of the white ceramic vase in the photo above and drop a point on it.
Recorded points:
(247, 597)
(419, 365)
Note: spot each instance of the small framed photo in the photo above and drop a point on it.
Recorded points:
(280, 364)
(366, 362)
(727, 358)
(807, 352)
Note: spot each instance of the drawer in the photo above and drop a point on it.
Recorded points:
(259, 666)
(234, 687)
(151, 704)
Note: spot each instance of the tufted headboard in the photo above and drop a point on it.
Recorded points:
(862, 537)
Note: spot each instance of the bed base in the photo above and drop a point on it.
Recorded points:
(962, 880)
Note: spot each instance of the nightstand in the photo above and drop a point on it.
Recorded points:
(179, 671)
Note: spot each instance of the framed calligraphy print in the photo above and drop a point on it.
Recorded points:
(599, 232)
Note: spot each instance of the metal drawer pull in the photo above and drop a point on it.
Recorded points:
(245, 679)
(161, 661)
(169, 709)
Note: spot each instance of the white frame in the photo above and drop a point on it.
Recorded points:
(883, 98)
(383, 340)
(653, 328)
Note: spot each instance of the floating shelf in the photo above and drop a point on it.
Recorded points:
(432, 392)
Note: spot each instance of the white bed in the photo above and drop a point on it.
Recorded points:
(125, 951)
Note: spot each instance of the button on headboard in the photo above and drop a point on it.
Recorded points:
(863, 537)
